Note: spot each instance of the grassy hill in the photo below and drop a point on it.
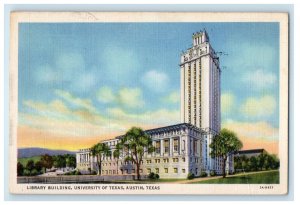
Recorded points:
(26, 159)
(265, 177)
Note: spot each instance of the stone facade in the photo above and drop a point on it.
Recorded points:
(179, 149)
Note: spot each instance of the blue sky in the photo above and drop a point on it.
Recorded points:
(113, 71)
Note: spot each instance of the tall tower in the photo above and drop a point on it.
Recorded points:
(200, 78)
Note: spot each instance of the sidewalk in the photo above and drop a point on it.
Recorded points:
(187, 181)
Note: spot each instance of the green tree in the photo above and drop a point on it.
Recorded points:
(246, 164)
(30, 166)
(38, 166)
(20, 169)
(261, 160)
(116, 155)
(135, 143)
(224, 144)
(59, 161)
(70, 160)
(47, 161)
(275, 162)
(99, 151)
(253, 163)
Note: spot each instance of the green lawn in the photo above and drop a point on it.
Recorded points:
(267, 177)
(25, 160)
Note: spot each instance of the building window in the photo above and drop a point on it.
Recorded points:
(157, 147)
(157, 161)
(175, 170)
(166, 170)
(183, 170)
(148, 170)
(176, 145)
(183, 144)
(175, 159)
(156, 170)
(166, 146)
(166, 160)
(183, 159)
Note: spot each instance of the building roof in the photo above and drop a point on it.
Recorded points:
(250, 151)
(168, 128)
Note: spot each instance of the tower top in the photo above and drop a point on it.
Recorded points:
(200, 37)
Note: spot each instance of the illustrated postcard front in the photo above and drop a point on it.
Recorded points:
(148, 103)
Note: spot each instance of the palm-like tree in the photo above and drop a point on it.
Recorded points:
(100, 150)
(116, 155)
(135, 143)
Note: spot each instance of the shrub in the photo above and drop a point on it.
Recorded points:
(153, 176)
(203, 174)
(26, 172)
(212, 173)
(190, 176)
(77, 172)
(20, 169)
(34, 172)
(93, 172)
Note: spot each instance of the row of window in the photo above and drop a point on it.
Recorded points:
(165, 170)
(157, 161)
(149, 161)
(167, 146)
(132, 171)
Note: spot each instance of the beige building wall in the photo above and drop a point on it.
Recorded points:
(182, 154)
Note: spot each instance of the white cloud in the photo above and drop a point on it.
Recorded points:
(70, 62)
(173, 97)
(68, 68)
(105, 95)
(46, 74)
(254, 130)
(131, 97)
(156, 81)
(76, 101)
(150, 118)
(227, 102)
(259, 107)
(84, 82)
(126, 97)
(118, 64)
(58, 110)
(259, 79)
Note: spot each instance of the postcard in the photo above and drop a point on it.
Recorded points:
(148, 103)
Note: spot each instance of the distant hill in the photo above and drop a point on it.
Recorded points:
(36, 151)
